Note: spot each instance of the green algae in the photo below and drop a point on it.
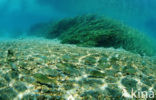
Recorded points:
(29, 97)
(96, 73)
(42, 78)
(92, 95)
(103, 66)
(129, 70)
(111, 72)
(20, 86)
(2, 82)
(129, 83)
(99, 31)
(90, 82)
(147, 80)
(68, 85)
(50, 72)
(89, 60)
(7, 93)
(57, 75)
(111, 79)
(28, 79)
(113, 92)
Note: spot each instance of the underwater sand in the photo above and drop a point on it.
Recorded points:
(36, 68)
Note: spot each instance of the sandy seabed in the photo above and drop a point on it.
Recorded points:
(42, 69)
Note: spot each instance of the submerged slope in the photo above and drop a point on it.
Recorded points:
(99, 31)
(45, 69)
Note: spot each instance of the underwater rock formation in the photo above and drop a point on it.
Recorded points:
(99, 31)
(45, 70)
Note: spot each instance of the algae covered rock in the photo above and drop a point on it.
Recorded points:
(89, 60)
(42, 78)
(7, 93)
(128, 70)
(129, 83)
(20, 86)
(95, 74)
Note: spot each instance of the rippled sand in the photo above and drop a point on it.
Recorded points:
(35, 68)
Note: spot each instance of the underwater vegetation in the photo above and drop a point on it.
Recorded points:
(97, 31)
(86, 57)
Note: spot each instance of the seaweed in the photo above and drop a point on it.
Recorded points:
(99, 31)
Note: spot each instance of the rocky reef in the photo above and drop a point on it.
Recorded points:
(40, 69)
(99, 31)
